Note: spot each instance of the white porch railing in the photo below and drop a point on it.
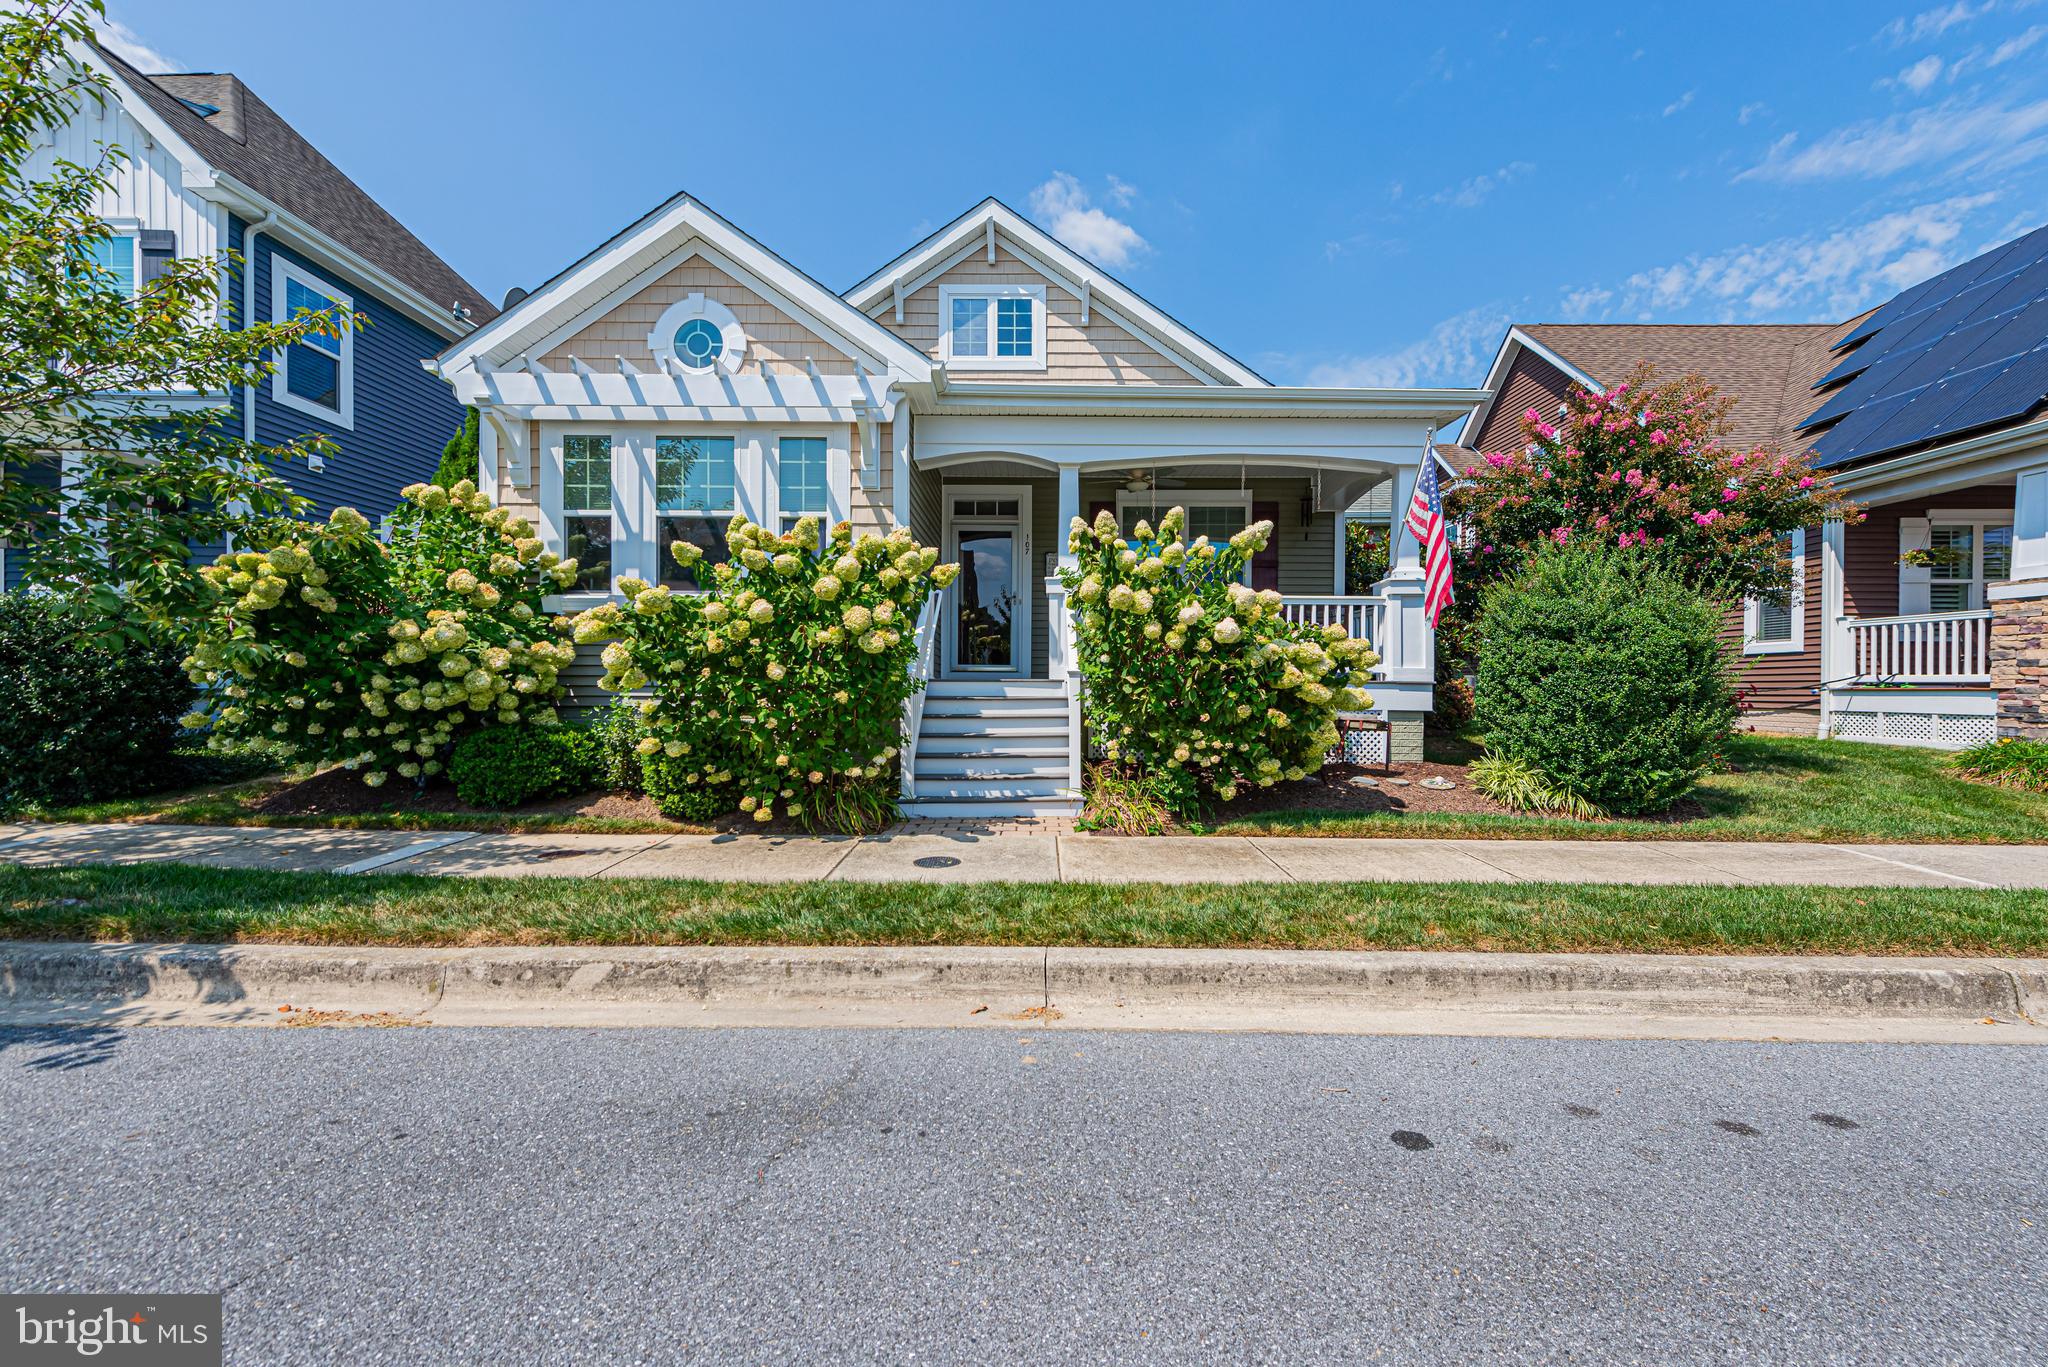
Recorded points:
(1393, 622)
(1063, 664)
(1360, 616)
(1926, 647)
(923, 664)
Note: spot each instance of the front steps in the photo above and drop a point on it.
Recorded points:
(996, 749)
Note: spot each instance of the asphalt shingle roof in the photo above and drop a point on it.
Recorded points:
(1767, 368)
(251, 142)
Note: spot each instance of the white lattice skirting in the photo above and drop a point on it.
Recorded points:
(1938, 719)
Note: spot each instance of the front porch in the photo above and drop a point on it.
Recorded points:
(1925, 607)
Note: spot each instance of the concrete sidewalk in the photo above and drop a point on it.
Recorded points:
(969, 858)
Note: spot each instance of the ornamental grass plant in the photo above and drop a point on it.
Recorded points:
(779, 690)
(342, 649)
(1196, 681)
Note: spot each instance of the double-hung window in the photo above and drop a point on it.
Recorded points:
(1966, 556)
(1775, 624)
(993, 327)
(802, 480)
(1218, 521)
(116, 256)
(693, 501)
(316, 374)
(587, 509)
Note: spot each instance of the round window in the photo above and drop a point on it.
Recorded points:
(698, 343)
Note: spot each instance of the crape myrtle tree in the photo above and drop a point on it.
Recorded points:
(1645, 464)
(109, 490)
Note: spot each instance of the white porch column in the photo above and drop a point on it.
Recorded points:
(1404, 553)
(1835, 661)
(899, 471)
(1069, 509)
(2030, 525)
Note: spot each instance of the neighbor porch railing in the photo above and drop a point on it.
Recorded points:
(1924, 648)
(923, 664)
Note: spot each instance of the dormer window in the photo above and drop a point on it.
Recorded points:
(992, 327)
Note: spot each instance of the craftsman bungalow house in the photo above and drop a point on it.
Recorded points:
(1924, 624)
(981, 389)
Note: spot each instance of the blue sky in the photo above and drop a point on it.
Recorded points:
(1357, 194)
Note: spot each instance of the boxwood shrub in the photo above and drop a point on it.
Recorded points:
(509, 766)
(1604, 674)
(82, 722)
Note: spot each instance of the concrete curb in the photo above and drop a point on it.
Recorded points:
(114, 983)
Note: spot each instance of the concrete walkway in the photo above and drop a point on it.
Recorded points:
(1032, 858)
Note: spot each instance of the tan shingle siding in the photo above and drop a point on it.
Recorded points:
(772, 335)
(1101, 353)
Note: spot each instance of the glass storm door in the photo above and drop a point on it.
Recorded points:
(987, 600)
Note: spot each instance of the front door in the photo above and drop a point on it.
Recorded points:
(988, 622)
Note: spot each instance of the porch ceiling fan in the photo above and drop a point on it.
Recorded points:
(1140, 481)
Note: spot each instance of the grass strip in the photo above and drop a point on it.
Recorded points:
(1775, 788)
(186, 903)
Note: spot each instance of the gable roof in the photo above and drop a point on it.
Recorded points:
(653, 238)
(1765, 367)
(1055, 259)
(249, 141)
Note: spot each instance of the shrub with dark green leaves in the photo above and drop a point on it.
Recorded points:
(82, 722)
(510, 766)
(682, 793)
(1605, 675)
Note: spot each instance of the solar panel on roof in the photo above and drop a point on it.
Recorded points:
(1966, 349)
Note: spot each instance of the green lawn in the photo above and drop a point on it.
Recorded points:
(1775, 788)
(229, 805)
(173, 902)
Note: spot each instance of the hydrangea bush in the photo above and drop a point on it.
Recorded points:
(344, 649)
(1195, 680)
(780, 688)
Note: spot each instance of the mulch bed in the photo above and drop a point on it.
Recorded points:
(340, 792)
(1399, 789)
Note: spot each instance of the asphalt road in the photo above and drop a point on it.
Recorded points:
(444, 1195)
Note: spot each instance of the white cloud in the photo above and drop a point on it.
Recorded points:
(1956, 135)
(1921, 74)
(2016, 45)
(1933, 23)
(1455, 352)
(1682, 103)
(1470, 194)
(1814, 275)
(1122, 191)
(1063, 207)
(128, 45)
(1749, 112)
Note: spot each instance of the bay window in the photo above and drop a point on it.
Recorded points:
(802, 478)
(695, 480)
(587, 509)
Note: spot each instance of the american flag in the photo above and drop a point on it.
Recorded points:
(1426, 520)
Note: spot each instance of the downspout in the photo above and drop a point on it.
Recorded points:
(248, 304)
(249, 235)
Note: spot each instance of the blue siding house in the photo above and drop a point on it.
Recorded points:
(212, 169)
